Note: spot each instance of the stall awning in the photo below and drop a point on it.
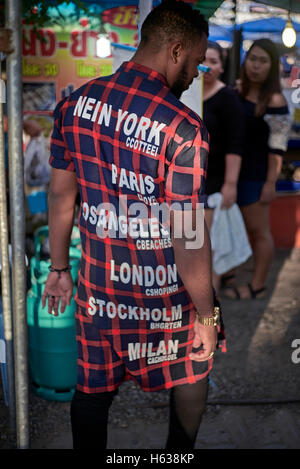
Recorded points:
(270, 27)
(207, 7)
(291, 5)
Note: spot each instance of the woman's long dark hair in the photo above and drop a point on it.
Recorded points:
(272, 83)
(214, 45)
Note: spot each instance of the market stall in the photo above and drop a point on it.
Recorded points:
(42, 69)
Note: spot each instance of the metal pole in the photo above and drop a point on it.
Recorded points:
(232, 58)
(145, 6)
(17, 214)
(5, 269)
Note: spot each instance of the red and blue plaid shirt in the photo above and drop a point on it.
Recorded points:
(134, 146)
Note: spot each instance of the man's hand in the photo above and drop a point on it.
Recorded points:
(6, 40)
(58, 287)
(32, 128)
(229, 193)
(206, 336)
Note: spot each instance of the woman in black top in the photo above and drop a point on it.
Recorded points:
(267, 126)
(223, 117)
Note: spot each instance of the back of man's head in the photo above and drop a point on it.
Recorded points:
(172, 21)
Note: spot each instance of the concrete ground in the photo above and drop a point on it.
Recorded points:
(254, 399)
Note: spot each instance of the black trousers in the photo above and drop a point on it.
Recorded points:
(89, 417)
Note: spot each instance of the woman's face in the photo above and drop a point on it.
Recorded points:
(257, 65)
(213, 61)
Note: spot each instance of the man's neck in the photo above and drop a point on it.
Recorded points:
(154, 61)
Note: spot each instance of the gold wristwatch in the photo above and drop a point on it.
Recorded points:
(212, 320)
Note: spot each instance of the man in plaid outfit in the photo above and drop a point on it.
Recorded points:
(129, 146)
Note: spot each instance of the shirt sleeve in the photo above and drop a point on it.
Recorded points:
(60, 157)
(186, 164)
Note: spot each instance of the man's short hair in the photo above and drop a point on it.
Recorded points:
(171, 21)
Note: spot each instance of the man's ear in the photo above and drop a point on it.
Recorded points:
(176, 50)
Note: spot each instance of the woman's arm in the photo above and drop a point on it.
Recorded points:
(268, 192)
(232, 170)
(233, 119)
(279, 124)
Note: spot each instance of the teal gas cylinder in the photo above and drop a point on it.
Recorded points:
(52, 349)
(51, 339)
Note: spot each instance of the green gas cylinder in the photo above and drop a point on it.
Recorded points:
(51, 339)
(52, 349)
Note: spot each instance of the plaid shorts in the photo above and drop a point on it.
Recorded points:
(155, 359)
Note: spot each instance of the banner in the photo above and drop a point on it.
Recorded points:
(56, 63)
(61, 58)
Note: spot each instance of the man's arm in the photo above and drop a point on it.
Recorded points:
(61, 201)
(194, 267)
(184, 186)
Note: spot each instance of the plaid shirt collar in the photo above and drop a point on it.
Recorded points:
(146, 72)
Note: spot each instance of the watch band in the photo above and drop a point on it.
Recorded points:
(59, 271)
(210, 320)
